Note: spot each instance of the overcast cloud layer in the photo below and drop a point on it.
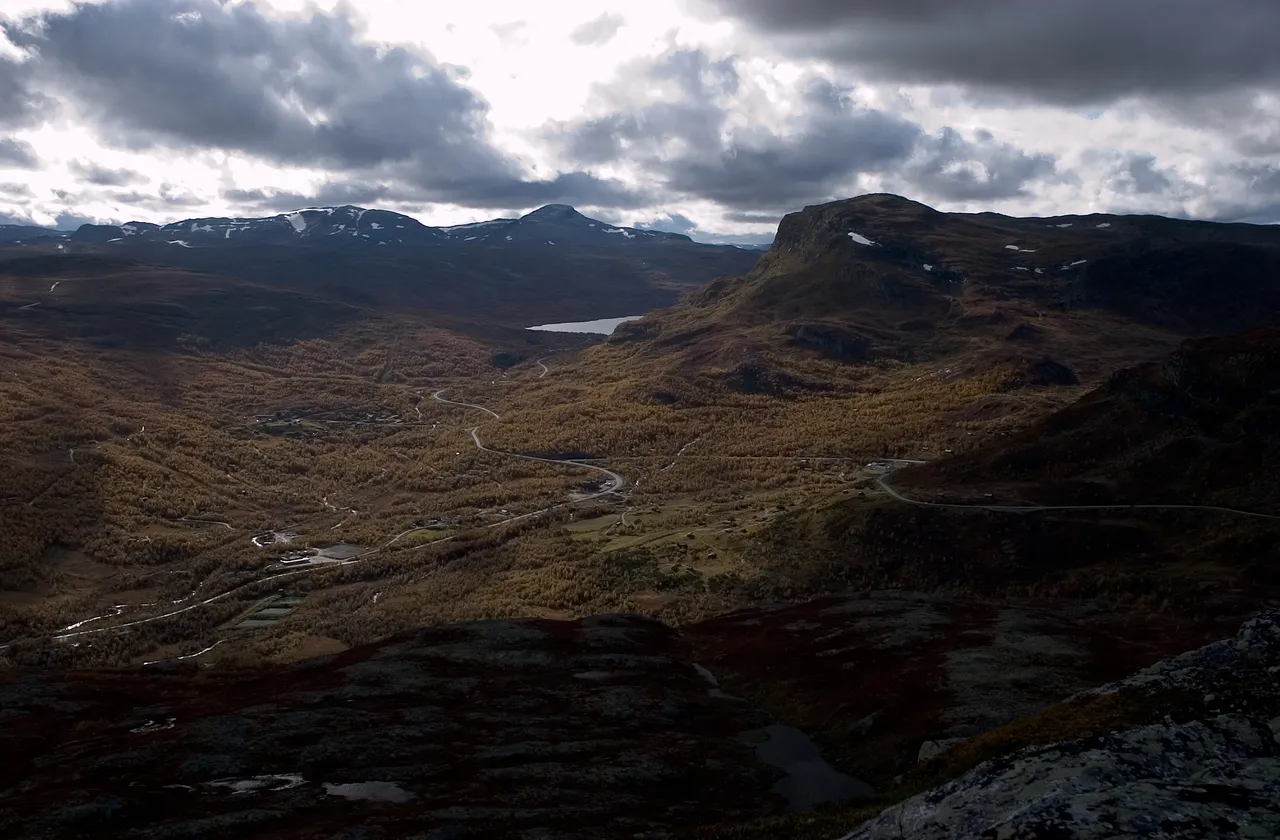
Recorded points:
(704, 116)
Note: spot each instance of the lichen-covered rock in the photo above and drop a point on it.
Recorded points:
(1255, 646)
(1214, 778)
(933, 749)
(1212, 772)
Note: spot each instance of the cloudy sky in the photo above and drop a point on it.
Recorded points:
(707, 116)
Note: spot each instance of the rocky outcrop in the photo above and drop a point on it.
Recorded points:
(1205, 778)
(834, 341)
(598, 728)
(884, 679)
(1210, 770)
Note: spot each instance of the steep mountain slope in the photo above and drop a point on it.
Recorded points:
(1201, 427)
(1157, 489)
(882, 277)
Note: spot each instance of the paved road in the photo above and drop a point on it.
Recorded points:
(115, 627)
(884, 485)
(616, 481)
(436, 396)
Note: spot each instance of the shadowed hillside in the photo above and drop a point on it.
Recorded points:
(880, 277)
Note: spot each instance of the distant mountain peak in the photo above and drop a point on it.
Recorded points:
(887, 201)
(555, 212)
(349, 225)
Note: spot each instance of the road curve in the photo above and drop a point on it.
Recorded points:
(884, 485)
(542, 364)
(616, 481)
(436, 396)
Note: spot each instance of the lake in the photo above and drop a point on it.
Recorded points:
(602, 326)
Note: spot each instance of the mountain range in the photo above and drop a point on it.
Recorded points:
(553, 264)
(348, 225)
(554, 224)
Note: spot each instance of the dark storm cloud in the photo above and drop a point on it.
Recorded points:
(1258, 198)
(953, 168)
(688, 145)
(18, 154)
(679, 223)
(104, 176)
(165, 200)
(580, 189)
(330, 194)
(20, 102)
(1131, 173)
(695, 118)
(597, 32)
(202, 74)
(671, 223)
(196, 72)
(1064, 51)
(70, 220)
(159, 203)
(1140, 171)
(753, 218)
(16, 218)
(768, 170)
(1241, 118)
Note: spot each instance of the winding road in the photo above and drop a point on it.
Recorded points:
(616, 481)
(436, 396)
(615, 484)
(884, 485)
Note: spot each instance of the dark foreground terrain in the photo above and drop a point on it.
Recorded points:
(614, 727)
(893, 524)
